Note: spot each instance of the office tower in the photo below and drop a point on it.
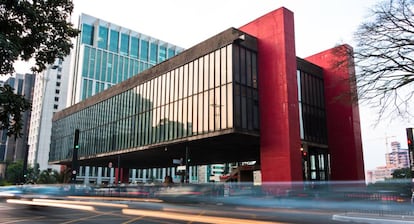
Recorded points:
(49, 96)
(104, 54)
(11, 148)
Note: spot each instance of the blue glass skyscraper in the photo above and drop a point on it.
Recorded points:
(106, 54)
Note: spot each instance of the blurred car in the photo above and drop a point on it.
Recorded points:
(8, 192)
(42, 191)
(184, 193)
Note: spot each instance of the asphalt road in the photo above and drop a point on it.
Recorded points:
(153, 212)
(11, 213)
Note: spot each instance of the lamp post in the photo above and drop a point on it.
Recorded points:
(75, 157)
(187, 161)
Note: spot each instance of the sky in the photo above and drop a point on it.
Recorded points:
(319, 25)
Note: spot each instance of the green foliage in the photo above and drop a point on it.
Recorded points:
(11, 108)
(48, 177)
(403, 173)
(14, 173)
(34, 29)
(3, 182)
(399, 186)
(33, 174)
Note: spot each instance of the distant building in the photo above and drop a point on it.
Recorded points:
(49, 96)
(398, 158)
(12, 149)
(381, 173)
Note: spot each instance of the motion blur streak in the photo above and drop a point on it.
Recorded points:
(212, 212)
(192, 218)
(5, 194)
(117, 199)
(81, 203)
(26, 202)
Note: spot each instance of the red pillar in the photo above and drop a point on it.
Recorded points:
(278, 99)
(122, 175)
(344, 131)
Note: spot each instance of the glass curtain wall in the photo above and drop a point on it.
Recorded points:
(214, 92)
(116, 56)
(312, 108)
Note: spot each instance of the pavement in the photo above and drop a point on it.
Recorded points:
(373, 218)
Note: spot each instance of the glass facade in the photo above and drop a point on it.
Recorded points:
(112, 54)
(216, 91)
(313, 131)
(312, 107)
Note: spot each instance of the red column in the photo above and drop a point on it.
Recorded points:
(279, 114)
(344, 131)
(122, 175)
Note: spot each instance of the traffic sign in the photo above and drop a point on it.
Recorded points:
(177, 161)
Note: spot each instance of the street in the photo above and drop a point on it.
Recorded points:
(104, 211)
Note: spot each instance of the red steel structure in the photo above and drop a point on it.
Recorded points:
(280, 141)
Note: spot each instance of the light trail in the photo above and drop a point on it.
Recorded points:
(59, 205)
(117, 199)
(82, 203)
(192, 218)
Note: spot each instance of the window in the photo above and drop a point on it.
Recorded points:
(113, 43)
(124, 44)
(144, 50)
(134, 47)
(56, 99)
(58, 84)
(171, 53)
(87, 34)
(163, 54)
(59, 76)
(55, 106)
(57, 91)
(154, 53)
(103, 37)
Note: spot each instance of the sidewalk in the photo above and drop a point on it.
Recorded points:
(373, 218)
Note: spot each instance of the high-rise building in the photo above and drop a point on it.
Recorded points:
(11, 148)
(398, 157)
(104, 54)
(49, 96)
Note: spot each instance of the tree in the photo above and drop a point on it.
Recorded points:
(48, 177)
(14, 172)
(36, 29)
(403, 173)
(11, 108)
(384, 57)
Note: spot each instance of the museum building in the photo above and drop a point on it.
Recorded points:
(241, 95)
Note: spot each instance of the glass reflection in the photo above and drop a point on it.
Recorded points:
(192, 99)
(212, 110)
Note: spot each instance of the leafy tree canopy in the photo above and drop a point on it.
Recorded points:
(37, 29)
